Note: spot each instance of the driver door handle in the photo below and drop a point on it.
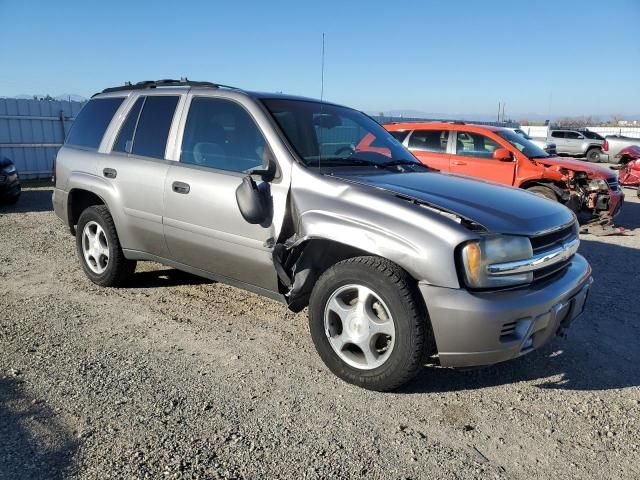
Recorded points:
(180, 187)
(458, 162)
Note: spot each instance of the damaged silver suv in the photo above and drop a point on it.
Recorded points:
(315, 204)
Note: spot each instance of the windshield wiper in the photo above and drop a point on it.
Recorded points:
(395, 163)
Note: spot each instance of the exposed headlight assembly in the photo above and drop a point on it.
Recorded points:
(476, 257)
(598, 184)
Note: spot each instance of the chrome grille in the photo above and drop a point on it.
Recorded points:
(547, 241)
(3, 178)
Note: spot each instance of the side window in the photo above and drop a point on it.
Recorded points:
(400, 135)
(221, 134)
(124, 142)
(429, 140)
(470, 144)
(150, 137)
(557, 134)
(573, 135)
(92, 121)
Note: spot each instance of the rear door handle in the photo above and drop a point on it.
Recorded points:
(180, 187)
(109, 172)
(458, 162)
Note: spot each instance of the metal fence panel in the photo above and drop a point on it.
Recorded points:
(32, 131)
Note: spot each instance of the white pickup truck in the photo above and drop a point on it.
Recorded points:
(578, 142)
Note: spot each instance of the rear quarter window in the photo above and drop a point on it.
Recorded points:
(92, 121)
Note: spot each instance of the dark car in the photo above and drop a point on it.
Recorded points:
(9, 181)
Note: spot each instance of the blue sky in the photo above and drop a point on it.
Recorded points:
(545, 57)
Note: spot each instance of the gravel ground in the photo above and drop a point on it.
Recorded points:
(180, 377)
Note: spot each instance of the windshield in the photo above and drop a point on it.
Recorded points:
(522, 134)
(529, 149)
(329, 135)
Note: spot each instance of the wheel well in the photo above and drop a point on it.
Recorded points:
(560, 192)
(79, 201)
(305, 263)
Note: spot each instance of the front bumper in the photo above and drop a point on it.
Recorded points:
(616, 199)
(9, 185)
(473, 329)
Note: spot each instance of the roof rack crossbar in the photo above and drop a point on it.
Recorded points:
(167, 82)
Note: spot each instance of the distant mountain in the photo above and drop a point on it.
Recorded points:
(71, 96)
(64, 97)
(532, 117)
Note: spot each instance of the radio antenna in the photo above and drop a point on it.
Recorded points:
(322, 72)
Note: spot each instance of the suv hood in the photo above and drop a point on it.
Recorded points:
(497, 208)
(593, 171)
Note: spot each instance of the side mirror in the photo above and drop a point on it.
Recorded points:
(502, 154)
(251, 201)
(267, 172)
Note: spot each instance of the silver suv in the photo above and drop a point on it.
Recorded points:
(316, 205)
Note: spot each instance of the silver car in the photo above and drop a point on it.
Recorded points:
(578, 141)
(316, 205)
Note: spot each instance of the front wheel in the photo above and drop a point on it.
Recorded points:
(368, 323)
(99, 249)
(543, 191)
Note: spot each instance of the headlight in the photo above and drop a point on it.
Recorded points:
(598, 184)
(9, 170)
(477, 255)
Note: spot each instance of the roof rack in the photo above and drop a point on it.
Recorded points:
(167, 82)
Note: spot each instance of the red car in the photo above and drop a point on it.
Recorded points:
(502, 156)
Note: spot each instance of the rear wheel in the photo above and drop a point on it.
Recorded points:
(543, 191)
(594, 154)
(367, 323)
(99, 249)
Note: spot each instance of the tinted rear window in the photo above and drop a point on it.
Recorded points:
(150, 139)
(92, 121)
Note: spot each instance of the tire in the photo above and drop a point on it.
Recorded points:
(392, 299)
(105, 264)
(543, 192)
(593, 155)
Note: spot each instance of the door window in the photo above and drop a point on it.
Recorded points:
(470, 144)
(124, 142)
(150, 139)
(221, 134)
(557, 134)
(429, 140)
(573, 135)
(146, 128)
(399, 135)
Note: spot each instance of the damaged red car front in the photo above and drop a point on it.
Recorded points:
(591, 191)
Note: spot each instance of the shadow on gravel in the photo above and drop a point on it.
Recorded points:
(36, 200)
(33, 444)
(601, 351)
(164, 278)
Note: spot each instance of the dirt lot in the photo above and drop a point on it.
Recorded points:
(184, 378)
